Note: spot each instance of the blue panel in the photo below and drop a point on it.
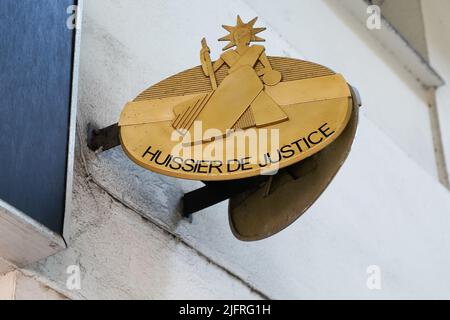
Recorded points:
(36, 50)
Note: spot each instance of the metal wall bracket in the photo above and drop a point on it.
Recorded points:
(215, 192)
(212, 193)
(103, 139)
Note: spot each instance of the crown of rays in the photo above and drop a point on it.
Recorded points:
(239, 26)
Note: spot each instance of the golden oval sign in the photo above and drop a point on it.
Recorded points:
(244, 115)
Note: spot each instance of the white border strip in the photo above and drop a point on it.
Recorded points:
(73, 120)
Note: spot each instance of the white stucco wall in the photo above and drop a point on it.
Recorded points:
(384, 208)
(121, 256)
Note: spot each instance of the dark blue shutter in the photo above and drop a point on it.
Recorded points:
(36, 53)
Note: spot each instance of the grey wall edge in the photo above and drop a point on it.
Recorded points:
(391, 39)
(23, 240)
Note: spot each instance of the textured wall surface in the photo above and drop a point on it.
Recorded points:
(122, 256)
(384, 208)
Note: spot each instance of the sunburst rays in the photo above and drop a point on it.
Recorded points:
(240, 25)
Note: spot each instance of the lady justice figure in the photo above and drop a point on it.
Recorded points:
(239, 102)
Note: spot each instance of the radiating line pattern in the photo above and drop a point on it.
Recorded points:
(194, 81)
(185, 119)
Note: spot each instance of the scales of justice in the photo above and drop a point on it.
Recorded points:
(267, 133)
